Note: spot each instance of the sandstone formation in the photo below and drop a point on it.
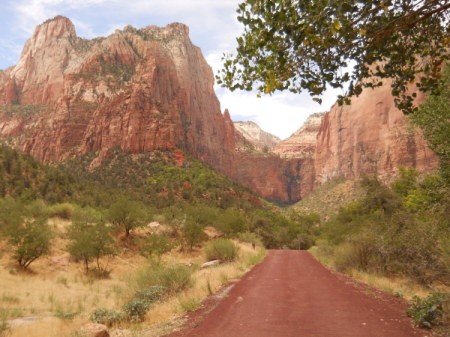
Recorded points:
(138, 89)
(369, 137)
(151, 89)
(302, 143)
(257, 137)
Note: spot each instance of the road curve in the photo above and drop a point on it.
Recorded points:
(291, 294)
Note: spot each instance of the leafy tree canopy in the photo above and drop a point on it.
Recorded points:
(299, 45)
(433, 117)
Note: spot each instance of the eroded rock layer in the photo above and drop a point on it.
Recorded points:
(138, 89)
(257, 137)
(369, 137)
(302, 143)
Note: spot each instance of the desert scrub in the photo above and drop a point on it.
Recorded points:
(4, 326)
(135, 309)
(221, 249)
(62, 211)
(172, 278)
(429, 311)
(108, 317)
(190, 304)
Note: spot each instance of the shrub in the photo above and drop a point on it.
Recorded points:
(108, 317)
(302, 242)
(221, 249)
(190, 304)
(62, 211)
(429, 311)
(151, 294)
(135, 310)
(156, 245)
(250, 238)
(172, 278)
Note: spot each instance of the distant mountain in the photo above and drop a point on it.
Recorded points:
(140, 90)
(302, 143)
(260, 139)
(150, 89)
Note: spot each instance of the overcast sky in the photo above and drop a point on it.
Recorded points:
(213, 27)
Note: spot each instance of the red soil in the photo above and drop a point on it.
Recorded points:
(291, 294)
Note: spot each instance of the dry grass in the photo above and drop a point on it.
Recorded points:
(56, 293)
(59, 297)
(398, 286)
(206, 281)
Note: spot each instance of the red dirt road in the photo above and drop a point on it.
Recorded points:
(291, 294)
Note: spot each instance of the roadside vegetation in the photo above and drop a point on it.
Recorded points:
(397, 236)
(121, 245)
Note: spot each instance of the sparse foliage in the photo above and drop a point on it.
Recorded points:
(90, 238)
(221, 249)
(429, 311)
(193, 234)
(308, 45)
(27, 234)
(156, 245)
(127, 214)
(433, 118)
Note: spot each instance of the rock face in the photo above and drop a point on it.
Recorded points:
(370, 136)
(257, 137)
(140, 90)
(302, 143)
(151, 89)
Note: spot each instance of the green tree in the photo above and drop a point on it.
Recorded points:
(406, 182)
(10, 214)
(433, 117)
(156, 245)
(27, 234)
(90, 238)
(308, 45)
(127, 214)
(193, 234)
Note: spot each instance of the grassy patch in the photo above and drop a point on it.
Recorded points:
(221, 249)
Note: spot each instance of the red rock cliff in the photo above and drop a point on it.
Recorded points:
(141, 90)
(370, 136)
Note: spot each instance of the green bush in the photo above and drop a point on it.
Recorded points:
(62, 211)
(190, 304)
(301, 242)
(250, 237)
(108, 317)
(172, 278)
(135, 310)
(156, 245)
(429, 312)
(221, 249)
(150, 295)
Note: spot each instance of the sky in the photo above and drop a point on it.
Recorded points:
(213, 27)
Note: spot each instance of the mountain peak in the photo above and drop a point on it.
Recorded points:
(57, 27)
(253, 133)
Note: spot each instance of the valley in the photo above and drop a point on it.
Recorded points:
(127, 198)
